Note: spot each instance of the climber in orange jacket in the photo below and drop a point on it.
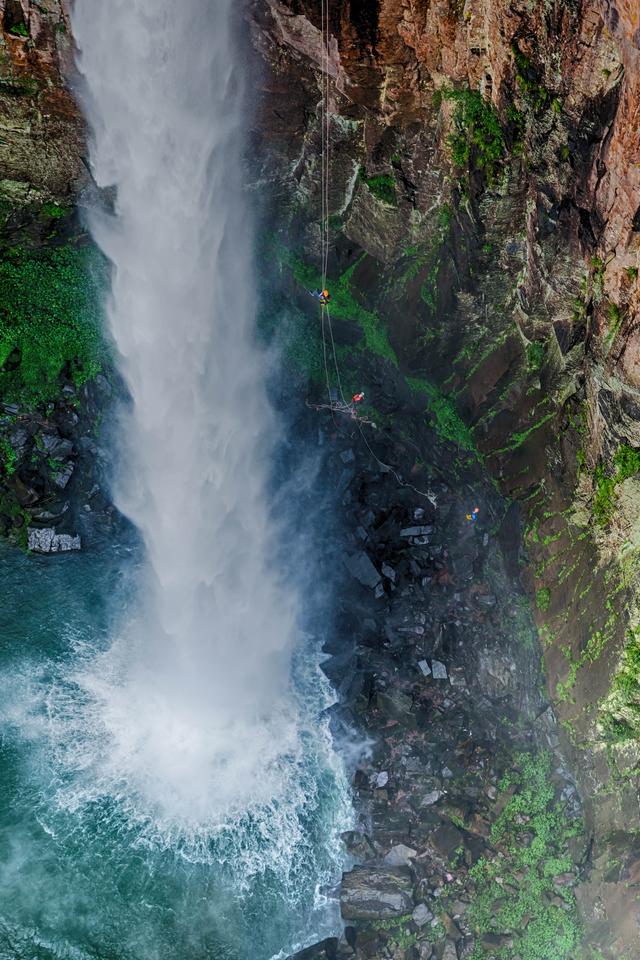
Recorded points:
(322, 295)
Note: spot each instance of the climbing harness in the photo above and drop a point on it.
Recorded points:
(322, 296)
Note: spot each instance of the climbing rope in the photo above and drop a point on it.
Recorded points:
(341, 406)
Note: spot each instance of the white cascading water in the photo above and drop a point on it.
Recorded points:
(192, 705)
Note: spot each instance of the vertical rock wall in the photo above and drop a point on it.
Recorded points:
(485, 160)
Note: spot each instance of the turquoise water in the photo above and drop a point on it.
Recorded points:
(83, 876)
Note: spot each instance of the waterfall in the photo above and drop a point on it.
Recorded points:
(193, 700)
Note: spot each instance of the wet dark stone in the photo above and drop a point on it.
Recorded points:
(325, 950)
(372, 893)
(446, 841)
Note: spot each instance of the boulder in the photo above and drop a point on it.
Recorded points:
(46, 540)
(325, 950)
(421, 915)
(446, 841)
(374, 893)
(419, 531)
(439, 670)
(63, 476)
(450, 952)
(389, 572)
(56, 446)
(394, 704)
(400, 855)
(362, 569)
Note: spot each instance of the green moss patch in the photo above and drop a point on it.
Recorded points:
(383, 187)
(620, 712)
(626, 463)
(543, 599)
(50, 320)
(448, 422)
(344, 305)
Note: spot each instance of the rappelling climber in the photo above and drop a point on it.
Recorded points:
(473, 516)
(323, 296)
(357, 397)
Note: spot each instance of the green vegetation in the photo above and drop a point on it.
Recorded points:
(445, 214)
(476, 141)
(595, 645)
(53, 211)
(615, 316)
(517, 439)
(344, 305)
(620, 714)
(448, 423)
(429, 256)
(429, 289)
(517, 127)
(19, 30)
(543, 599)
(383, 187)
(49, 320)
(535, 355)
(536, 95)
(627, 464)
(8, 457)
(517, 892)
(400, 936)
(298, 336)
(597, 278)
(632, 273)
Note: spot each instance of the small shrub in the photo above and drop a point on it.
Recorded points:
(19, 30)
(535, 355)
(8, 457)
(383, 187)
(543, 599)
(53, 211)
(632, 273)
(447, 421)
(444, 217)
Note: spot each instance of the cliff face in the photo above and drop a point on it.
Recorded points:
(485, 208)
(51, 347)
(42, 131)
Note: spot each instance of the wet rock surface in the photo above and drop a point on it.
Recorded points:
(512, 293)
(53, 495)
(440, 675)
